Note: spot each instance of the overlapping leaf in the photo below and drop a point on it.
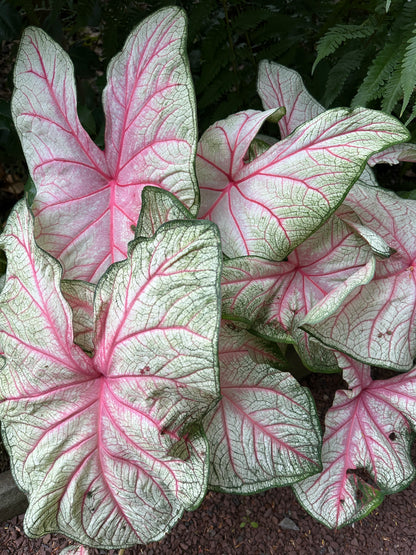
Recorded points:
(376, 322)
(274, 297)
(366, 448)
(109, 448)
(278, 85)
(268, 206)
(87, 200)
(158, 207)
(264, 432)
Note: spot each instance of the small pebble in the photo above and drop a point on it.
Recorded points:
(288, 524)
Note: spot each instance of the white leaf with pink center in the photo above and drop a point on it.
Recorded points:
(274, 297)
(366, 447)
(108, 447)
(376, 322)
(87, 200)
(264, 432)
(268, 206)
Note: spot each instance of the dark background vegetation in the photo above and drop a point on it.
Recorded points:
(366, 51)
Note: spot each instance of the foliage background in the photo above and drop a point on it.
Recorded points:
(361, 52)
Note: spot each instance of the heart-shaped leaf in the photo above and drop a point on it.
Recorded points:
(366, 448)
(108, 447)
(268, 206)
(264, 432)
(87, 200)
(278, 85)
(274, 297)
(376, 322)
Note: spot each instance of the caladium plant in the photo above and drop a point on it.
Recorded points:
(122, 398)
(108, 445)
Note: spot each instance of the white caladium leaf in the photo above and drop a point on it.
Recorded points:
(398, 153)
(264, 432)
(109, 447)
(235, 339)
(87, 200)
(376, 322)
(270, 205)
(158, 207)
(274, 297)
(277, 86)
(366, 449)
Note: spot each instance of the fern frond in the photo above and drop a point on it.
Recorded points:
(339, 74)
(412, 116)
(378, 74)
(339, 34)
(408, 75)
(392, 91)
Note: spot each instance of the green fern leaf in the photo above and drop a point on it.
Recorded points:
(339, 74)
(339, 34)
(393, 91)
(412, 116)
(408, 76)
(378, 74)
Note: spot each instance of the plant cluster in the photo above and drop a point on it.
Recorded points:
(152, 287)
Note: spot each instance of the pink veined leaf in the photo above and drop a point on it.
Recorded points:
(274, 297)
(264, 432)
(268, 206)
(80, 297)
(109, 447)
(366, 449)
(376, 322)
(398, 153)
(87, 200)
(278, 85)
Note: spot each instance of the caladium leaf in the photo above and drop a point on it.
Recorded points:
(158, 207)
(376, 322)
(366, 447)
(278, 85)
(398, 153)
(109, 448)
(87, 200)
(270, 205)
(264, 432)
(274, 297)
